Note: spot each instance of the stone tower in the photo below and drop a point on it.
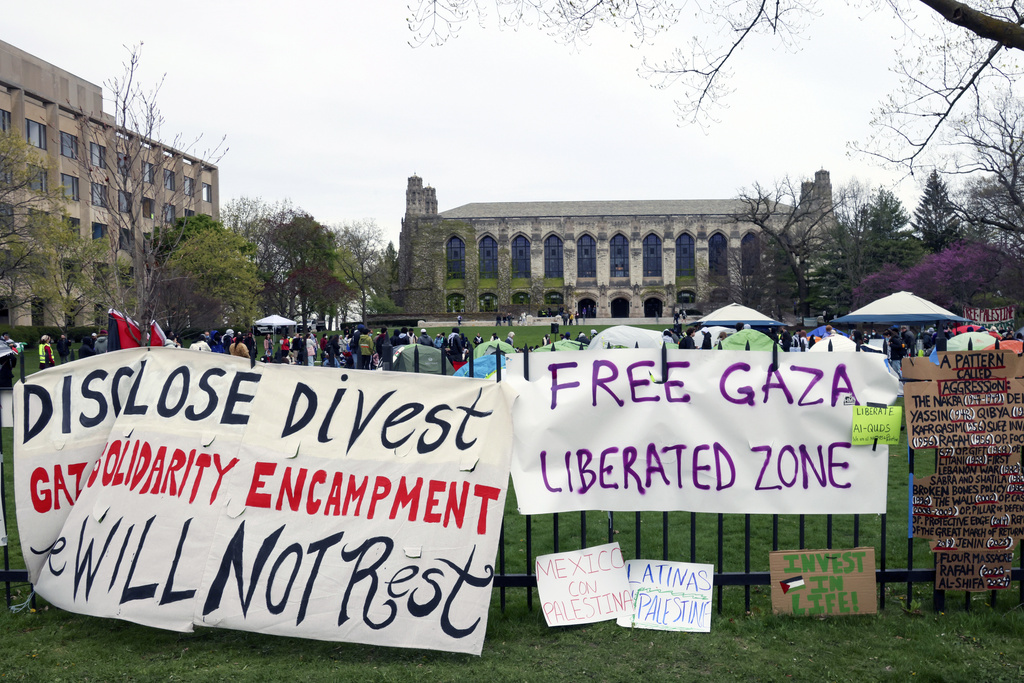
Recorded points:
(419, 200)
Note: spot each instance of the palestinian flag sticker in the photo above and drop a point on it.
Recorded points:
(791, 584)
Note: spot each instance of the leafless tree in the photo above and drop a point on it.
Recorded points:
(796, 220)
(954, 48)
(140, 184)
(361, 259)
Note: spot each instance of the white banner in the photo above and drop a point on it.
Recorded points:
(722, 431)
(173, 488)
(989, 316)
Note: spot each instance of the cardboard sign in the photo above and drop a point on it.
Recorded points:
(972, 398)
(669, 596)
(971, 408)
(174, 488)
(583, 586)
(715, 431)
(871, 424)
(990, 316)
(818, 582)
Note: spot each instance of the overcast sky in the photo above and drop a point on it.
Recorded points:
(325, 103)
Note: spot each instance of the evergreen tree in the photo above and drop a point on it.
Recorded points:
(934, 221)
(890, 238)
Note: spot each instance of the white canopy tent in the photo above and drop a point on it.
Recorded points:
(275, 321)
(626, 337)
(901, 307)
(728, 316)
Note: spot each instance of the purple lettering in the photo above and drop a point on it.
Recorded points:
(634, 382)
(603, 382)
(746, 393)
(555, 386)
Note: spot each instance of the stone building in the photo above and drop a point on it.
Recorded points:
(614, 258)
(108, 173)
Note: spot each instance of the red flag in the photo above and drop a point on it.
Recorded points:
(122, 332)
(156, 334)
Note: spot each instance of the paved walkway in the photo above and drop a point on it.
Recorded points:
(545, 322)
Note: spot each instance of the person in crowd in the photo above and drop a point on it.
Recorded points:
(8, 362)
(64, 349)
(46, 353)
(688, 342)
(311, 349)
(439, 341)
(239, 348)
(511, 338)
(424, 338)
(88, 347)
(478, 339)
(583, 338)
(268, 347)
(200, 344)
(456, 346)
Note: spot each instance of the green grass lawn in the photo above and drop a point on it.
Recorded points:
(906, 640)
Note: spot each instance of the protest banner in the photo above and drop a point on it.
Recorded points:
(990, 316)
(970, 407)
(173, 488)
(669, 596)
(714, 431)
(819, 582)
(583, 586)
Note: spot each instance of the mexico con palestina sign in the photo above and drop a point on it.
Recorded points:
(711, 431)
(174, 488)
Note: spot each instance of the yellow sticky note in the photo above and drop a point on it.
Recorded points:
(870, 423)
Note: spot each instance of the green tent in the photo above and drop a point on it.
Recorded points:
(738, 341)
(429, 358)
(492, 346)
(976, 340)
(563, 345)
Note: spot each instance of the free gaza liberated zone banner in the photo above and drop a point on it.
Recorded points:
(703, 431)
(175, 489)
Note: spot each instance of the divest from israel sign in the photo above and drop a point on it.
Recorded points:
(174, 488)
(705, 431)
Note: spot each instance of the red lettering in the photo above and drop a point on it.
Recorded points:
(255, 498)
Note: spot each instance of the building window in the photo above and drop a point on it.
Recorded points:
(99, 195)
(652, 256)
(488, 302)
(619, 256)
(190, 186)
(124, 240)
(520, 257)
(553, 257)
(207, 192)
(488, 259)
(68, 145)
(124, 201)
(35, 133)
(521, 299)
(5, 120)
(168, 179)
(147, 208)
(70, 183)
(6, 216)
(750, 253)
(684, 256)
(74, 224)
(98, 230)
(686, 297)
(586, 257)
(717, 251)
(168, 213)
(148, 172)
(554, 299)
(38, 309)
(455, 303)
(189, 213)
(97, 155)
(38, 182)
(455, 257)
